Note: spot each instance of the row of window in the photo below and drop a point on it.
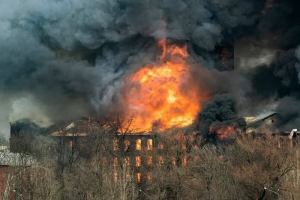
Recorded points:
(138, 161)
(138, 144)
(138, 177)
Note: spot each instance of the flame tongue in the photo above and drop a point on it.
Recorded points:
(222, 131)
(158, 96)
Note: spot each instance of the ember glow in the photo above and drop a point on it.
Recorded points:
(162, 96)
(223, 131)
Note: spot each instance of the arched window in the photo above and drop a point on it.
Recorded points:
(116, 144)
(127, 143)
(149, 144)
(138, 144)
(138, 161)
(149, 160)
(138, 177)
(127, 161)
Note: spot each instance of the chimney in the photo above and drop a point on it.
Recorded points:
(226, 56)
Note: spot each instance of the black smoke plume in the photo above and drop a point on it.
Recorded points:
(67, 59)
(275, 77)
(218, 113)
(70, 57)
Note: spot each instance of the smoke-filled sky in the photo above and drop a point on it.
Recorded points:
(66, 59)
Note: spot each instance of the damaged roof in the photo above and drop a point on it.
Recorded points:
(261, 117)
(81, 127)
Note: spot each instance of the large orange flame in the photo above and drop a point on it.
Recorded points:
(162, 96)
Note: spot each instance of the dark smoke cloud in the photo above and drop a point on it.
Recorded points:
(289, 105)
(279, 79)
(25, 126)
(94, 23)
(70, 56)
(221, 111)
(216, 82)
(269, 58)
(280, 24)
(288, 108)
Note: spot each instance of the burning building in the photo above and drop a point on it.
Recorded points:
(22, 136)
(193, 68)
(96, 66)
(263, 123)
(139, 152)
